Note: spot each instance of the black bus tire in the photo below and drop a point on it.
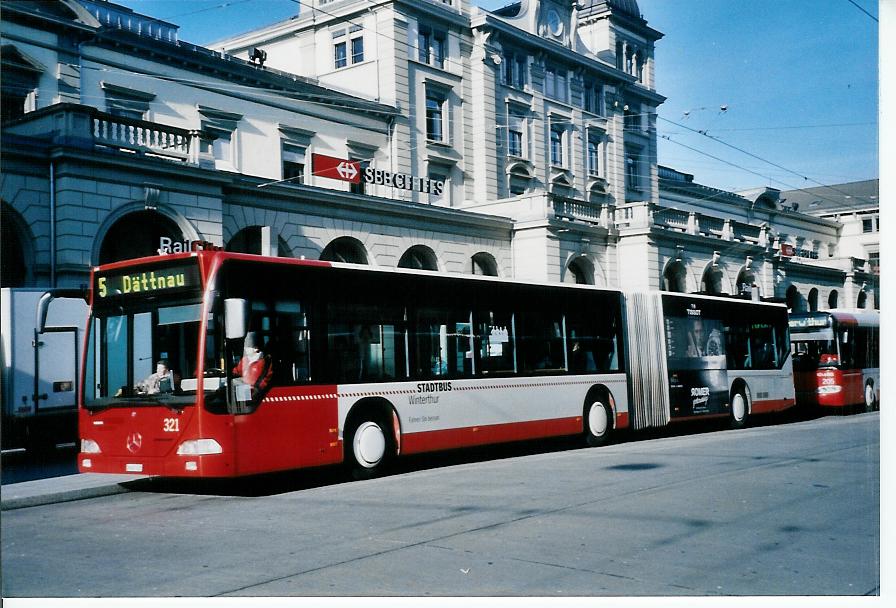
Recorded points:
(368, 446)
(598, 421)
(740, 409)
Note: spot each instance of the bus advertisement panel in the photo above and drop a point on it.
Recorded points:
(698, 378)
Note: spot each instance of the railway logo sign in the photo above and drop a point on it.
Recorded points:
(336, 168)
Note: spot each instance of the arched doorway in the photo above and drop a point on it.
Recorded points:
(832, 299)
(248, 240)
(579, 271)
(713, 281)
(746, 279)
(794, 299)
(419, 257)
(484, 264)
(345, 249)
(675, 277)
(13, 264)
(813, 299)
(136, 235)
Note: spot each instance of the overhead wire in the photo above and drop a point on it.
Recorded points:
(863, 10)
(750, 154)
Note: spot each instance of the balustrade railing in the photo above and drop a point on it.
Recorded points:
(144, 137)
(648, 215)
(582, 210)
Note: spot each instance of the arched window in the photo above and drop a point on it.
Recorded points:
(419, 257)
(248, 240)
(675, 277)
(136, 235)
(863, 299)
(345, 249)
(813, 300)
(484, 264)
(832, 299)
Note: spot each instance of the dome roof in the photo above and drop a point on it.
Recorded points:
(626, 7)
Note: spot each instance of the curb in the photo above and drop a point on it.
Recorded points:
(63, 489)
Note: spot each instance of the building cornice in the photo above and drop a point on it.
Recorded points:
(228, 68)
(245, 190)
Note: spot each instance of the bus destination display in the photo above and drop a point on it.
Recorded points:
(146, 282)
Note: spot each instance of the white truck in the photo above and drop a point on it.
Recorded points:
(42, 333)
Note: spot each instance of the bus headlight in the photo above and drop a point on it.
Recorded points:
(199, 447)
(89, 446)
(830, 389)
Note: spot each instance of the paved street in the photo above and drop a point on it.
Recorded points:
(786, 509)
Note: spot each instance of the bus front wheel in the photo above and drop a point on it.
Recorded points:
(368, 448)
(598, 422)
(739, 409)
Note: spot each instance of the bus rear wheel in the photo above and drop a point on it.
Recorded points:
(368, 447)
(739, 410)
(598, 422)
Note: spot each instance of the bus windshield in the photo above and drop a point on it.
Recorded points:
(812, 354)
(148, 354)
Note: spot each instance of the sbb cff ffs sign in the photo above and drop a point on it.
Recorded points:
(351, 171)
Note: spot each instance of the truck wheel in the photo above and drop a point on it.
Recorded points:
(870, 398)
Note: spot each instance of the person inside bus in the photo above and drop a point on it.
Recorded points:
(164, 380)
(254, 367)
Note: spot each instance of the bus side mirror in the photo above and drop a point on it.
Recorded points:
(235, 313)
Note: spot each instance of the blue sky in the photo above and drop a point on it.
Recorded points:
(798, 81)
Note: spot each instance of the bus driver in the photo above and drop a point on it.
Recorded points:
(162, 381)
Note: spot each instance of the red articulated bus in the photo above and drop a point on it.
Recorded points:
(216, 364)
(836, 359)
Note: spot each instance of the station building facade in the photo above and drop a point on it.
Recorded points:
(517, 143)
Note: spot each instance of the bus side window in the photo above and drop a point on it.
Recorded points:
(737, 346)
(540, 342)
(441, 343)
(592, 343)
(290, 343)
(495, 342)
(365, 343)
(847, 343)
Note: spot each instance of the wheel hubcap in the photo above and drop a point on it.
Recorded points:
(597, 419)
(739, 407)
(369, 444)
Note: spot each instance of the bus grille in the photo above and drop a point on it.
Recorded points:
(648, 373)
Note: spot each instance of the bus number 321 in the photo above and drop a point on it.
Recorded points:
(170, 425)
